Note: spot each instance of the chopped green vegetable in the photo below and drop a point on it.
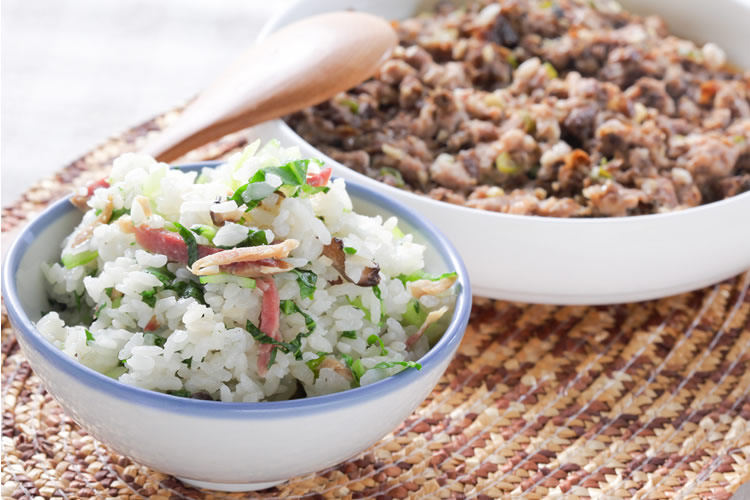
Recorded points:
(116, 372)
(182, 393)
(98, 211)
(79, 259)
(254, 239)
(512, 59)
(89, 337)
(415, 314)
(163, 274)
(374, 339)
(149, 297)
(121, 362)
(356, 367)
(189, 239)
(306, 281)
(293, 175)
(228, 278)
(349, 334)
(397, 232)
(188, 289)
(405, 364)
(551, 71)
(378, 295)
(357, 302)
(311, 190)
(350, 250)
(204, 230)
(505, 164)
(188, 362)
(421, 275)
(159, 341)
(295, 346)
(290, 307)
(117, 213)
(99, 310)
(115, 300)
(351, 104)
(398, 178)
(314, 364)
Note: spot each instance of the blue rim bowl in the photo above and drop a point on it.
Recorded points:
(445, 347)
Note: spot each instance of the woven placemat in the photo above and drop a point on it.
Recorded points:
(643, 400)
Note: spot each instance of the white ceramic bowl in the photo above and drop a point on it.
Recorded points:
(580, 261)
(226, 446)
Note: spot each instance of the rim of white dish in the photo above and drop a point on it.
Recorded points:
(273, 24)
(61, 361)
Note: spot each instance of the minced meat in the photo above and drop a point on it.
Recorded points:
(546, 107)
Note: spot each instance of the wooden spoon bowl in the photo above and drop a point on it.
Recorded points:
(301, 65)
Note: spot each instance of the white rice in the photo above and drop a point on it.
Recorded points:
(204, 348)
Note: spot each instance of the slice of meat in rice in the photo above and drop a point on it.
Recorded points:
(269, 321)
(206, 265)
(433, 317)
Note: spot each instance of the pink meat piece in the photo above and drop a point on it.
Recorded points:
(319, 179)
(168, 243)
(269, 320)
(80, 201)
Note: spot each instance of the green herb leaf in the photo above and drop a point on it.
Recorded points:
(79, 259)
(421, 275)
(149, 297)
(350, 250)
(159, 341)
(395, 175)
(228, 278)
(306, 281)
(254, 239)
(293, 173)
(117, 213)
(89, 337)
(262, 338)
(189, 239)
(349, 334)
(182, 393)
(188, 362)
(311, 190)
(98, 211)
(374, 339)
(163, 274)
(415, 314)
(405, 364)
(207, 232)
(357, 302)
(314, 364)
(356, 367)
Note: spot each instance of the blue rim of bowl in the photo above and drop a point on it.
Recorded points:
(61, 361)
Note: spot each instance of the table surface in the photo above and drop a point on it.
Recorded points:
(76, 72)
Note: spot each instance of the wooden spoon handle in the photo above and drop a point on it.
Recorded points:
(303, 64)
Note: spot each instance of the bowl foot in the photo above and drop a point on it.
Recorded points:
(230, 486)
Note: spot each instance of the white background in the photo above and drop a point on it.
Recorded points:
(74, 72)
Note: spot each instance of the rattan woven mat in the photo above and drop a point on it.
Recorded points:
(644, 400)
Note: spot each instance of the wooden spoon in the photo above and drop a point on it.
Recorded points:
(303, 64)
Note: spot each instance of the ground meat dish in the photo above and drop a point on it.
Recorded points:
(545, 107)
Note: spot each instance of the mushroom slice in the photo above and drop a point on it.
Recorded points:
(431, 318)
(223, 212)
(428, 287)
(201, 267)
(335, 251)
(338, 367)
(257, 269)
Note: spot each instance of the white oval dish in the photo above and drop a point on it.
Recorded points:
(579, 261)
(210, 444)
